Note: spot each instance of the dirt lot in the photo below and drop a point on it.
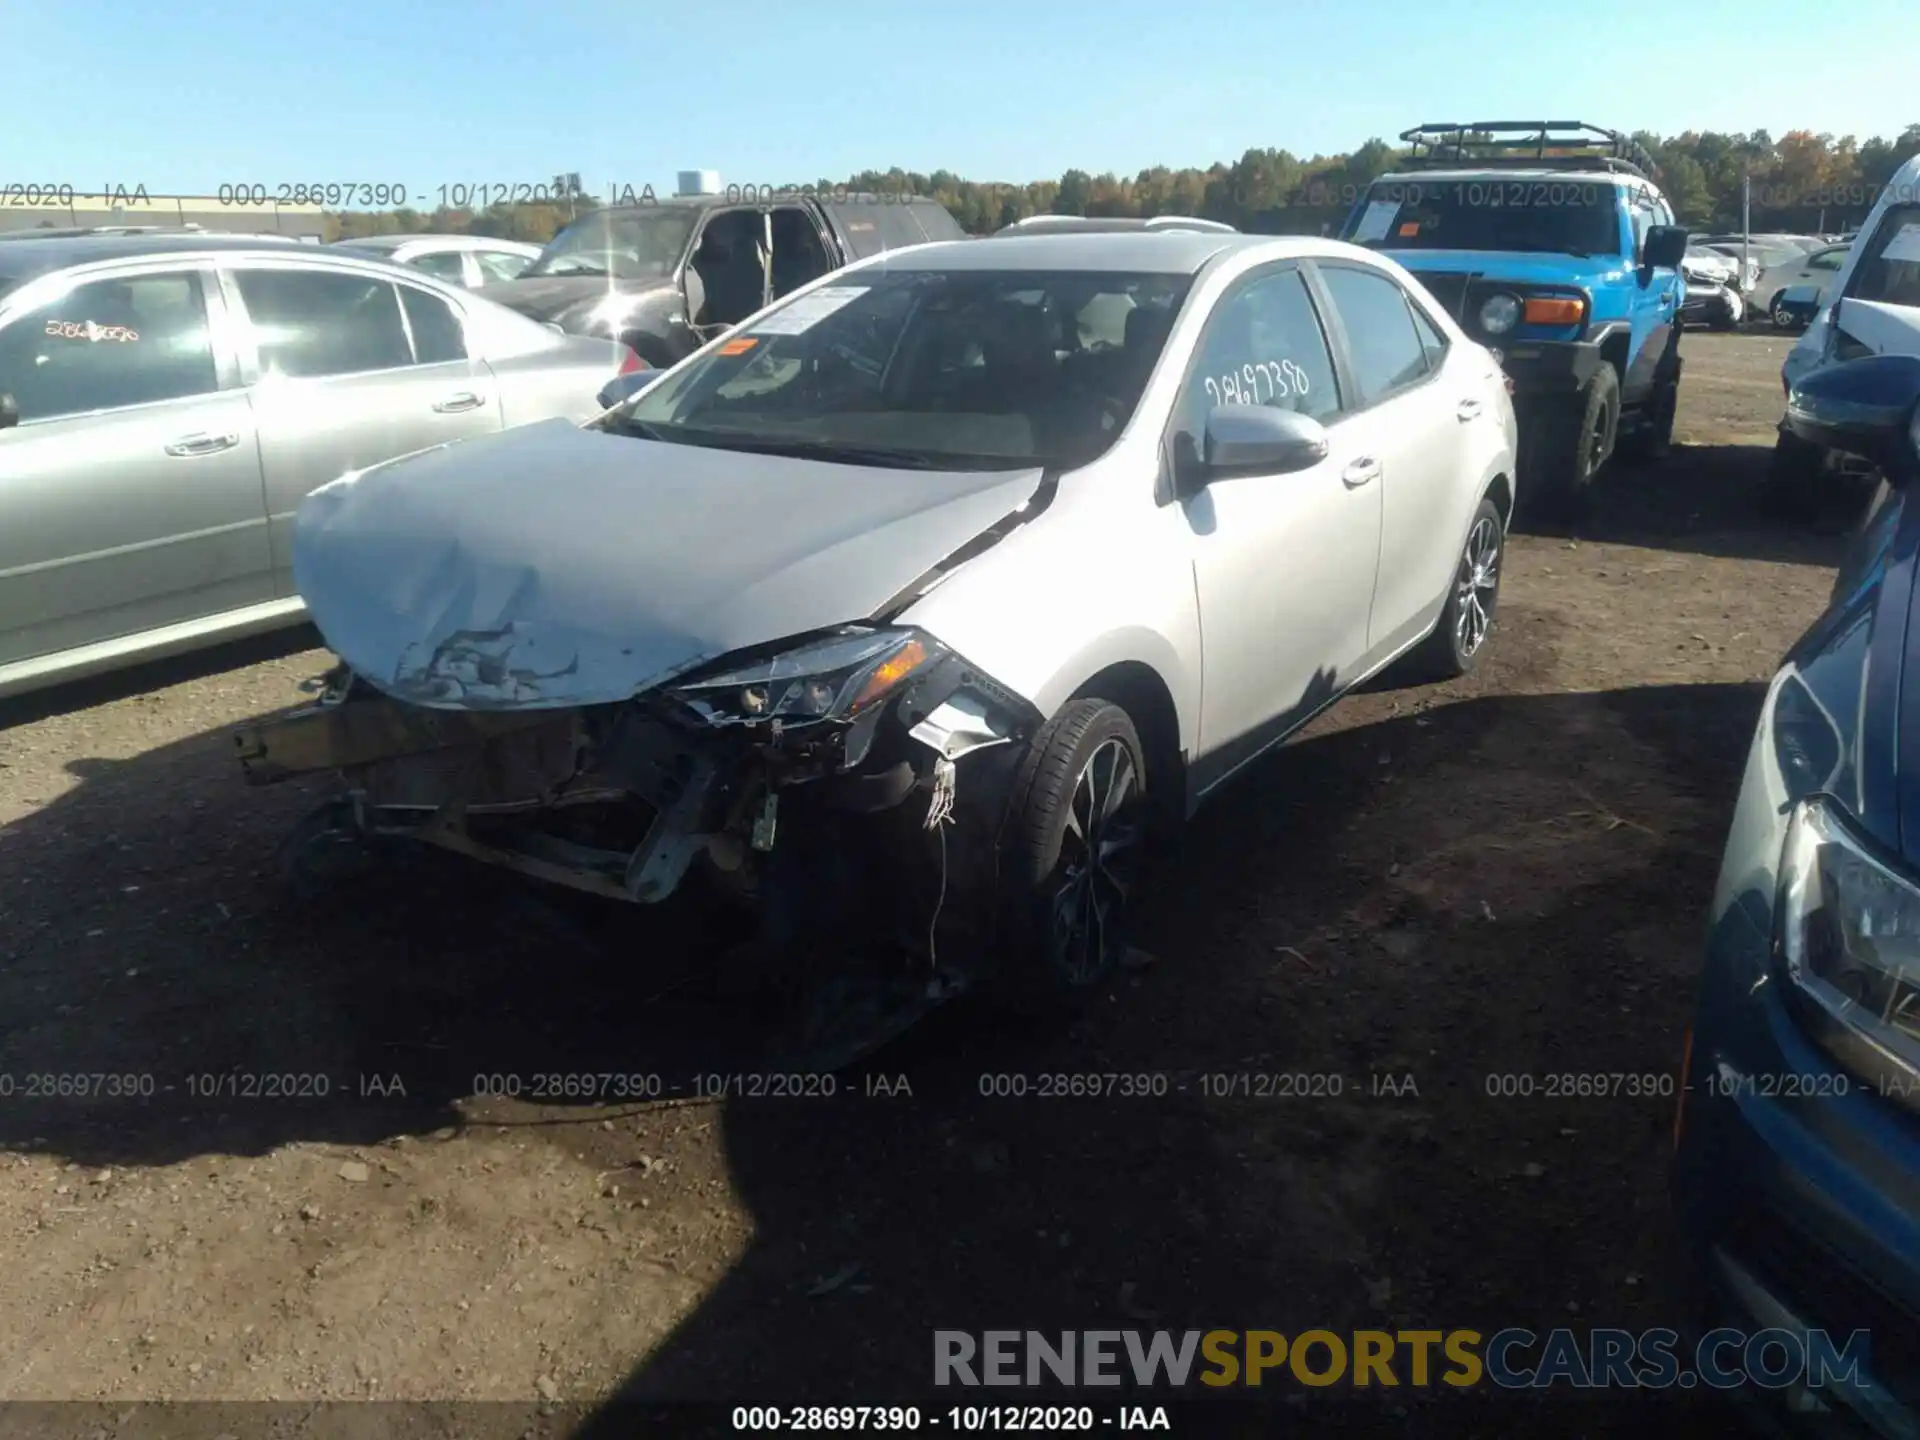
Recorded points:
(1501, 877)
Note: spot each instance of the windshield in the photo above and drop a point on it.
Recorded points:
(1888, 270)
(962, 369)
(630, 245)
(1559, 217)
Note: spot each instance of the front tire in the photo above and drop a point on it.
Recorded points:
(1565, 452)
(1777, 311)
(1072, 844)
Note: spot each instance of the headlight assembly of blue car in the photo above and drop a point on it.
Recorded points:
(1847, 939)
(837, 678)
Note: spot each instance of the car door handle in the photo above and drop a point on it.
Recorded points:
(454, 404)
(1468, 408)
(202, 444)
(1361, 471)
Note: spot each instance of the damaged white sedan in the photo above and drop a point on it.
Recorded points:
(912, 607)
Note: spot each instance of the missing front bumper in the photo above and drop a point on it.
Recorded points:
(617, 801)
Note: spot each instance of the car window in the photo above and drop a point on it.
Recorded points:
(1385, 348)
(442, 264)
(500, 264)
(1888, 270)
(1643, 220)
(111, 343)
(437, 335)
(861, 227)
(1826, 260)
(1431, 340)
(1264, 345)
(314, 322)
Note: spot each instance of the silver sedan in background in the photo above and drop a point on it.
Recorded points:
(465, 260)
(166, 402)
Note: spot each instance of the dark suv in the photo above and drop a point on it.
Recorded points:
(666, 276)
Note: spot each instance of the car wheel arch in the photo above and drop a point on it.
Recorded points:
(1500, 490)
(1140, 690)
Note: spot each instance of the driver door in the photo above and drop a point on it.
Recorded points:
(1284, 565)
(731, 258)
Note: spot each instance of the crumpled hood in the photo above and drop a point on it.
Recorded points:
(549, 566)
(553, 297)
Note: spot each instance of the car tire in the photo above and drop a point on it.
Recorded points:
(324, 850)
(1079, 794)
(1654, 439)
(1778, 312)
(1792, 488)
(1459, 637)
(1563, 454)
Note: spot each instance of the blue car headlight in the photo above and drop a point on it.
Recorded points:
(839, 677)
(1847, 939)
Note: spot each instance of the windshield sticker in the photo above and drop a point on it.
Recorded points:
(88, 330)
(1412, 227)
(738, 347)
(1374, 222)
(809, 310)
(1279, 379)
(1905, 245)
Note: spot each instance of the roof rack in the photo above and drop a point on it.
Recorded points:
(1563, 144)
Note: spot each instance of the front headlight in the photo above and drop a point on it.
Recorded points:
(1847, 937)
(1499, 314)
(836, 678)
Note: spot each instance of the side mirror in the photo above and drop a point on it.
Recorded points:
(9, 411)
(1664, 248)
(1260, 440)
(1868, 407)
(623, 388)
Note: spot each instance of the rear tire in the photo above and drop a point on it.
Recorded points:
(1460, 636)
(1654, 439)
(1563, 453)
(1075, 828)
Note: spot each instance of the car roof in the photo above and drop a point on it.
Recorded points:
(29, 257)
(1155, 252)
(454, 240)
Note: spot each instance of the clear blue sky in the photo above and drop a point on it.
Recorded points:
(186, 95)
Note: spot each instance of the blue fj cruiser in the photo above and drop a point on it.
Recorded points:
(1551, 244)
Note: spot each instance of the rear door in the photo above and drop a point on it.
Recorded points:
(1418, 417)
(349, 368)
(130, 491)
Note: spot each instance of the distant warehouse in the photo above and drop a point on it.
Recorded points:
(63, 207)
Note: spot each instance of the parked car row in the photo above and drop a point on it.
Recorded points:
(168, 398)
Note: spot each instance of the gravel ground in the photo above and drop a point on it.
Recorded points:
(1505, 876)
